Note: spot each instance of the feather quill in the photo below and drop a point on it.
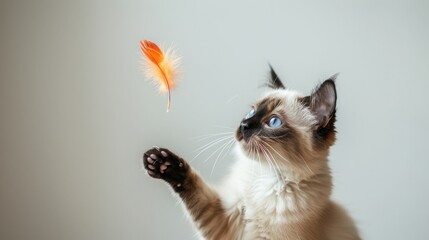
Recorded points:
(161, 67)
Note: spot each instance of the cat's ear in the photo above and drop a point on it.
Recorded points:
(323, 101)
(274, 81)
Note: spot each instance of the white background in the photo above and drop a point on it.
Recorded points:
(76, 113)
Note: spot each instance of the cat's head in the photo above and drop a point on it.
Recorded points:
(289, 129)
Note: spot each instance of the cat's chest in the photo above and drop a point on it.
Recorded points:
(270, 200)
(269, 207)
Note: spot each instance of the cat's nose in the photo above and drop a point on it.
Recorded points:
(244, 126)
(246, 130)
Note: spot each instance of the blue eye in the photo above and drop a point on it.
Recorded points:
(251, 113)
(275, 122)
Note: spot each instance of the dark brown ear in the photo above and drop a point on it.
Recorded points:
(323, 101)
(274, 81)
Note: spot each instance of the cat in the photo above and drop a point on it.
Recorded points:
(280, 185)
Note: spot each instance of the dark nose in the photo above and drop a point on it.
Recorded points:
(244, 126)
(247, 129)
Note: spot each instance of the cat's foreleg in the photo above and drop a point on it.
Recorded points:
(203, 202)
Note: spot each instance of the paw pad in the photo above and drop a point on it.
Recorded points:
(161, 163)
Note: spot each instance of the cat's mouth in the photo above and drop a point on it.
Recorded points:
(239, 136)
(243, 137)
(247, 141)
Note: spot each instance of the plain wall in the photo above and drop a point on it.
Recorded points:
(76, 113)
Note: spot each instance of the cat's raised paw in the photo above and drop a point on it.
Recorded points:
(162, 163)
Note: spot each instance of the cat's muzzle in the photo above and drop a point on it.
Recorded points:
(245, 131)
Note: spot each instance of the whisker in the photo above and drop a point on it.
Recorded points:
(230, 147)
(256, 155)
(260, 148)
(277, 165)
(270, 162)
(277, 153)
(206, 136)
(209, 145)
(212, 141)
(305, 162)
(308, 167)
(220, 154)
(259, 159)
(253, 168)
(232, 98)
(215, 151)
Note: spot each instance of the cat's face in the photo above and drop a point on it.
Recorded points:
(285, 128)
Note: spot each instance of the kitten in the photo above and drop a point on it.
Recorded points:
(280, 187)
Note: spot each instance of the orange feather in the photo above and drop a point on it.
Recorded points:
(161, 67)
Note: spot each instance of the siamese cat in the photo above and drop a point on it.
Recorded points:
(280, 185)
